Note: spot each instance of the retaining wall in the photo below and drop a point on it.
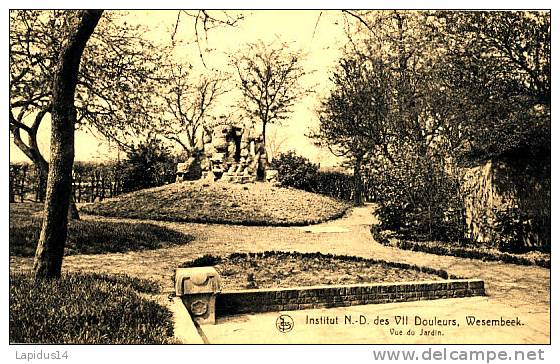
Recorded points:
(287, 299)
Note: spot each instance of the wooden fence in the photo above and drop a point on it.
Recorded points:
(90, 182)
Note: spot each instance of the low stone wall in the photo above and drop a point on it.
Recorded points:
(288, 299)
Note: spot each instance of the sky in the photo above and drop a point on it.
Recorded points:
(318, 33)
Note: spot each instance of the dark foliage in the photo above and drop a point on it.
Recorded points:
(296, 171)
(299, 172)
(335, 184)
(515, 229)
(421, 201)
(150, 164)
(207, 260)
(473, 251)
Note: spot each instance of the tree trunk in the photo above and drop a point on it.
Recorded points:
(22, 184)
(43, 172)
(50, 249)
(42, 168)
(73, 213)
(12, 192)
(358, 188)
(31, 150)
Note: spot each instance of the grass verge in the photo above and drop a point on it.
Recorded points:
(480, 252)
(259, 204)
(89, 237)
(86, 309)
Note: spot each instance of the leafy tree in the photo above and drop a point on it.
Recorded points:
(50, 248)
(114, 87)
(498, 66)
(464, 86)
(268, 76)
(407, 44)
(353, 118)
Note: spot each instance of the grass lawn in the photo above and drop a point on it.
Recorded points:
(227, 203)
(88, 237)
(86, 309)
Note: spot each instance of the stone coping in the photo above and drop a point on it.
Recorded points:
(184, 329)
(382, 284)
(325, 296)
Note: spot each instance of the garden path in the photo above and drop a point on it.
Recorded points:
(522, 289)
(348, 235)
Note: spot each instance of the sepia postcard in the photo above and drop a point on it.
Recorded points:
(280, 177)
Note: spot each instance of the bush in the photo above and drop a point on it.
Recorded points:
(149, 164)
(514, 229)
(206, 260)
(419, 199)
(299, 172)
(86, 309)
(335, 184)
(91, 237)
(296, 171)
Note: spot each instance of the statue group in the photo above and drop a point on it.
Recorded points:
(230, 153)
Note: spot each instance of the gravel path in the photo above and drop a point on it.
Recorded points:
(526, 288)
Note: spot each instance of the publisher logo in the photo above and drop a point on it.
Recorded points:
(284, 323)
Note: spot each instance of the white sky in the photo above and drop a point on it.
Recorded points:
(296, 27)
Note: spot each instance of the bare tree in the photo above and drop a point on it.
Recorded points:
(78, 29)
(190, 104)
(268, 76)
(274, 144)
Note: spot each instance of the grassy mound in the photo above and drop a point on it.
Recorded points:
(86, 309)
(224, 203)
(88, 237)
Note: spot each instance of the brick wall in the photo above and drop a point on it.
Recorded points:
(287, 299)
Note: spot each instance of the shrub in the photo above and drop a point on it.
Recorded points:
(335, 184)
(479, 251)
(299, 172)
(149, 164)
(420, 200)
(206, 260)
(514, 229)
(86, 309)
(296, 171)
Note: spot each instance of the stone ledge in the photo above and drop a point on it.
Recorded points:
(184, 330)
(297, 298)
